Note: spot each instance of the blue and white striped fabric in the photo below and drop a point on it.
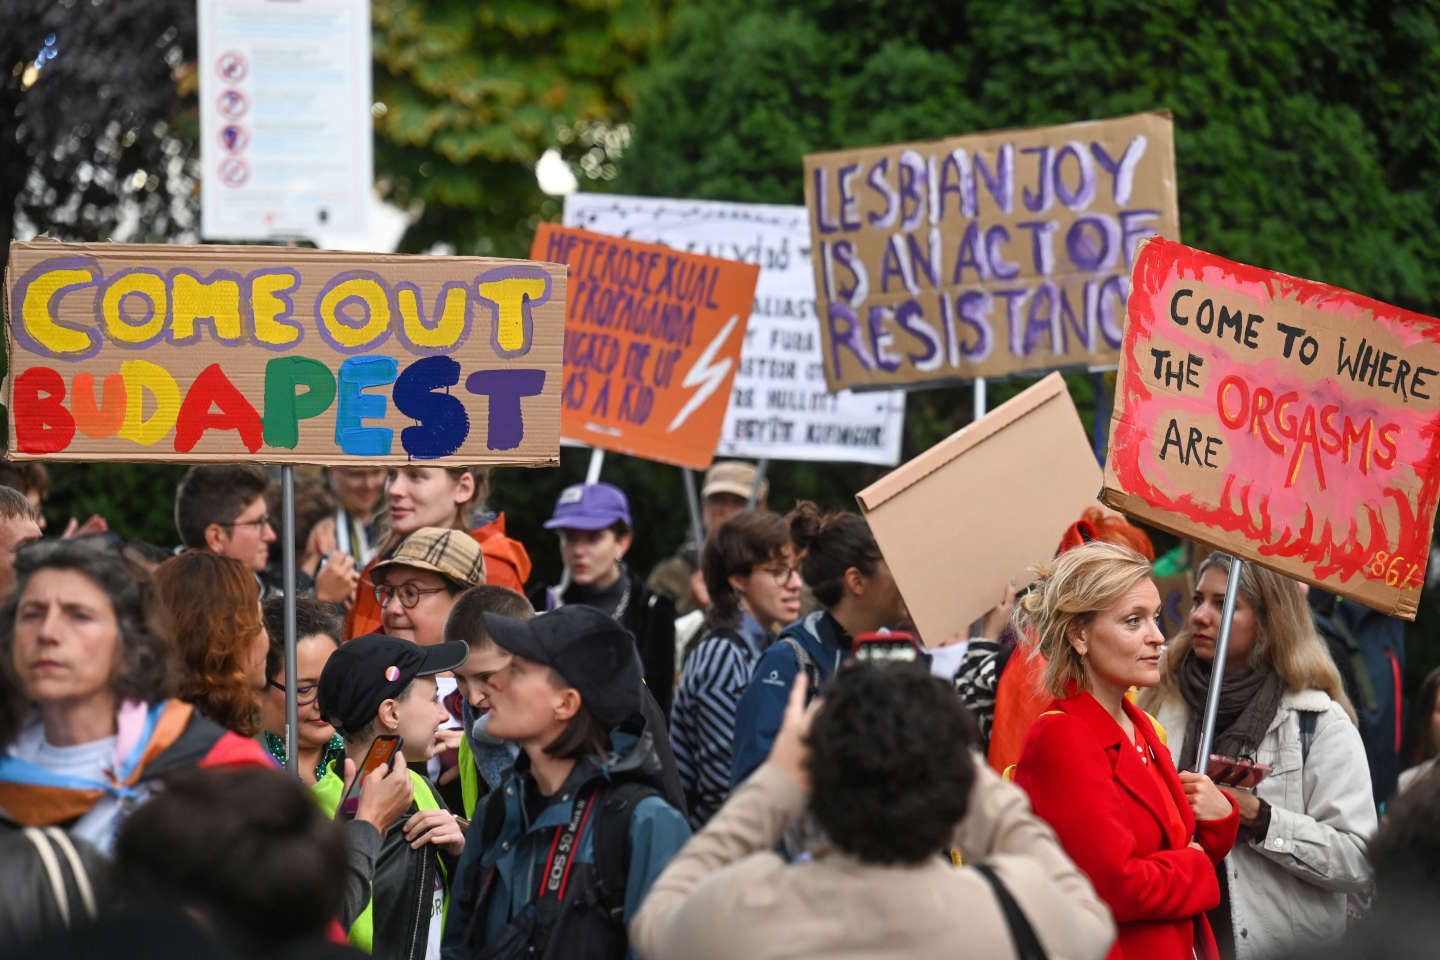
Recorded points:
(702, 721)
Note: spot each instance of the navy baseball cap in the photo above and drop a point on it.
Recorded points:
(590, 506)
(367, 671)
(589, 649)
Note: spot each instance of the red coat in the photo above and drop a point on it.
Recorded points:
(1087, 781)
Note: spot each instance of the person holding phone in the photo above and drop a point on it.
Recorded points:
(1305, 827)
(1096, 769)
(380, 694)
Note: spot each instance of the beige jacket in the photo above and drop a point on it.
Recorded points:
(1287, 891)
(728, 895)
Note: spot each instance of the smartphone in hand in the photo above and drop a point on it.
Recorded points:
(1229, 772)
(381, 752)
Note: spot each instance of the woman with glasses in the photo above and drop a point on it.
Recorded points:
(317, 636)
(450, 498)
(85, 641)
(214, 606)
(754, 585)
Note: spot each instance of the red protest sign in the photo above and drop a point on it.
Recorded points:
(1290, 422)
(652, 342)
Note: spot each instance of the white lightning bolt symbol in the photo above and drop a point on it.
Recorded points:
(705, 374)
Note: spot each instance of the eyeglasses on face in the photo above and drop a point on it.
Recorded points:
(782, 573)
(407, 593)
(305, 693)
(259, 523)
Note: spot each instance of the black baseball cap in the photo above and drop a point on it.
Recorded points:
(589, 649)
(369, 670)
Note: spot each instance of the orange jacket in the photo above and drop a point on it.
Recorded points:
(507, 564)
(1018, 701)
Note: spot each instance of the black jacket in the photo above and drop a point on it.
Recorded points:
(36, 901)
(402, 881)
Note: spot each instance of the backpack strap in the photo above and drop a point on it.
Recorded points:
(47, 842)
(1308, 721)
(806, 663)
(612, 844)
(1364, 684)
(1027, 944)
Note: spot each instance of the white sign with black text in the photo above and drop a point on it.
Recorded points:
(285, 131)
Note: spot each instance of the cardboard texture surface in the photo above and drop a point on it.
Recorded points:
(781, 408)
(1290, 422)
(958, 521)
(987, 254)
(652, 344)
(281, 355)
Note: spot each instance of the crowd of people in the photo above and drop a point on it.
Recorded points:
(748, 752)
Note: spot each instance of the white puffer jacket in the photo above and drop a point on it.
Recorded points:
(1288, 890)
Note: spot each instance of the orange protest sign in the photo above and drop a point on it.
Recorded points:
(652, 343)
(1289, 422)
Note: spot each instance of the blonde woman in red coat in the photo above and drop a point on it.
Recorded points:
(1097, 771)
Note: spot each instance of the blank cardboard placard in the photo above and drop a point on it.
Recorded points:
(652, 343)
(985, 254)
(1289, 422)
(281, 355)
(958, 521)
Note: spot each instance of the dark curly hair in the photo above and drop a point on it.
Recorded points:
(145, 665)
(214, 603)
(890, 762)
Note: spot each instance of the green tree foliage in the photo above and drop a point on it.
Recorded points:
(469, 95)
(1305, 131)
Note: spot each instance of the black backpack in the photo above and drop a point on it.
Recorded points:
(1369, 651)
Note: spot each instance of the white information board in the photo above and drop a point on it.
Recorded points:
(285, 129)
(780, 408)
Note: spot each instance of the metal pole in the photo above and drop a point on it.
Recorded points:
(1217, 669)
(979, 398)
(287, 552)
(760, 468)
(692, 500)
(597, 460)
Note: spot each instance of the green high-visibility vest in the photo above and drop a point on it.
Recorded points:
(469, 778)
(328, 791)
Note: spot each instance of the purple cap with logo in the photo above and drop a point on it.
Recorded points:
(589, 506)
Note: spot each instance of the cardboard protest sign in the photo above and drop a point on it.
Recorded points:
(1292, 423)
(281, 355)
(781, 408)
(652, 342)
(958, 521)
(983, 255)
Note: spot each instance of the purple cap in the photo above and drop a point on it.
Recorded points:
(589, 506)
